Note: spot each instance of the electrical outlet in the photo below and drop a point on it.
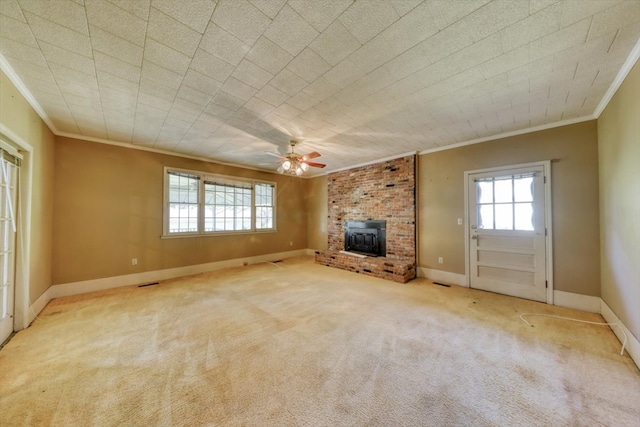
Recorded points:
(459, 221)
(134, 261)
(440, 260)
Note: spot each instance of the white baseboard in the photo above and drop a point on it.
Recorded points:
(577, 301)
(633, 345)
(442, 276)
(85, 286)
(38, 306)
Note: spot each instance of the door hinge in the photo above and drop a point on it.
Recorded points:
(545, 179)
(545, 232)
(546, 283)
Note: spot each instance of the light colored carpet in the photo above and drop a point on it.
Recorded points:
(298, 344)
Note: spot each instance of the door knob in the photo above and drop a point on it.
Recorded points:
(473, 227)
(474, 237)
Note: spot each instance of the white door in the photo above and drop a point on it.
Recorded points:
(507, 232)
(8, 192)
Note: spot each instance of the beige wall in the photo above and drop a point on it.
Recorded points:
(18, 116)
(317, 212)
(108, 209)
(619, 148)
(574, 151)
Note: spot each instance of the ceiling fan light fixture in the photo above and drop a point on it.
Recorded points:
(299, 171)
(286, 165)
(280, 169)
(304, 166)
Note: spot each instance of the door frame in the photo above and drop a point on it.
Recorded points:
(546, 167)
(23, 313)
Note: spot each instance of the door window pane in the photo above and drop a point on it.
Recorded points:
(523, 189)
(503, 190)
(524, 216)
(485, 217)
(485, 191)
(504, 216)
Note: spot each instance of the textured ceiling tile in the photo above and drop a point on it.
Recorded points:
(238, 89)
(116, 67)
(139, 8)
(108, 80)
(618, 16)
(309, 65)
(252, 74)
(289, 31)
(560, 40)
(166, 57)
(365, 22)
(116, 21)
(161, 75)
(211, 66)
(157, 89)
(372, 55)
(258, 107)
(269, 7)
(286, 111)
(11, 9)
(272, 95)
(37, 86)
(241, 19)
(506, 62)
(224, 45)
(576, 10)
(150, 104)
(321, 89)
(343, 74)
(201, 82)
(196, 16)
(411, 29)
(320, 13)
(626, 38)
(115, 46)
(228, 101)
(302, 101)
(12, 49)
(494, 17)
(403, 7)
(288, 82)
(58, 35)
(268, 55)
(532, 28)
(63, 12)
(62, 73)
(195, 96)
(446, 12)
(57, 55)
(18, 31)
(409, 62)
(335, 43)
(172, 33)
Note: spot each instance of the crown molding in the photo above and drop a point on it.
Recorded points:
(512, 133)
(617, 82)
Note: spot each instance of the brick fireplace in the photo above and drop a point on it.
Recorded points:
(383, 192)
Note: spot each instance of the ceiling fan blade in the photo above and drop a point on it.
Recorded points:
(275, 154)
(315, 165)
(311, 155)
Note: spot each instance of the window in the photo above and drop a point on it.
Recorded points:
(506, 202)
(197, 203)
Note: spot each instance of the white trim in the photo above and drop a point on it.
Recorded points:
(310, 252)
(22, 297)
(633, 345)
(442, 276)
(615, 85)
(372, 162)
(577, 301)
(17, 82)
(546, 166)
(512, 133)
(39, 305)
(85, 286)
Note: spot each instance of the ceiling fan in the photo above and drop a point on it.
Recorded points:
(296, 164)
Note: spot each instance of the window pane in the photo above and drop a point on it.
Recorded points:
(503, 190)
(523, 189)
(504, 216)
(485, 217)
(524, 216)
(485, 191)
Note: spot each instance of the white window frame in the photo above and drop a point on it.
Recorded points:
(205, 176)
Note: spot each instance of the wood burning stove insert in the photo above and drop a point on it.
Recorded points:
(366, 237)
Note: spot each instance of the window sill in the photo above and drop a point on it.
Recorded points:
(217, 233)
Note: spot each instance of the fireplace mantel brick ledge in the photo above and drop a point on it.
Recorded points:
(381, 191)
(399, 270)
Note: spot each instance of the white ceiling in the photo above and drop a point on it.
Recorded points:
(357, 81)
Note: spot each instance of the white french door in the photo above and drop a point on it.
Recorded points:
(508, 231)
(8, 195)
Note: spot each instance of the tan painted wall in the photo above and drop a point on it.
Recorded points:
(619, 148)
(108, 209)
(574, 150)
(18, 116)
(317, 212)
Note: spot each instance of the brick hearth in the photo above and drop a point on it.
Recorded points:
(382, 191)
